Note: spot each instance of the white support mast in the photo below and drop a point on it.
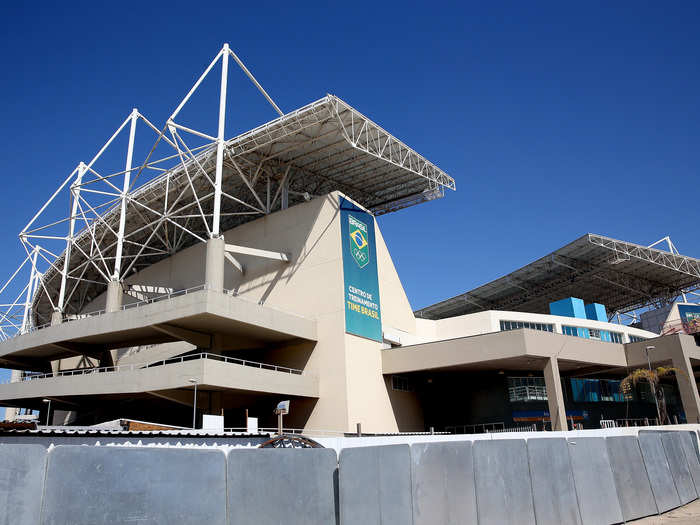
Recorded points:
(26, 324)
(75, 193)
(220, 143)
(125, 190)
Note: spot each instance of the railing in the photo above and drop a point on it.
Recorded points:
(527, 393)
(294, 431)
(518, 428)
(173, 360)
(480, 428)
(176, 293)
(136, 304)
(629, 422)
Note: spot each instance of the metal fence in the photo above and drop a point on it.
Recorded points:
(527, 393)
(629, 422)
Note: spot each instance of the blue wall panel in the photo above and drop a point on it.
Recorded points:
(596, 312)
(569, 307)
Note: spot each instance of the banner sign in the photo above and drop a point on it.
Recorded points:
(362, 313)
(690, 318)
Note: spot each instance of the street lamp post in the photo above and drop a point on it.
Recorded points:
(48, 410)
(651, 384)
(194, 406)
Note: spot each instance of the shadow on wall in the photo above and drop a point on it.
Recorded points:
(268, 274)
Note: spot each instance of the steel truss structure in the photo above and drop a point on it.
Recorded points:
(193, 185)
(623, 276)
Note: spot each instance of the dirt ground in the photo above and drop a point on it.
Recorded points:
(686, 515)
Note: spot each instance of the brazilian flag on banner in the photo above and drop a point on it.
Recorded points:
(362, 311)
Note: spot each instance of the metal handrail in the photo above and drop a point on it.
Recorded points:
(296, 431)
(475, 428)
(169, 361)
(176, 293)
(527, 393)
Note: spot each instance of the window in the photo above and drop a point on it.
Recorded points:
(592, 333)
(514, 325)
(526, 389)
(570, 330)
(595, 390)
(637, 339)
(402, 384)
(616, 337)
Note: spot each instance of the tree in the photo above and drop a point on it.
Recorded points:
(652, 377)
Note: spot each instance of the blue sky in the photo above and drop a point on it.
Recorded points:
(555, 120)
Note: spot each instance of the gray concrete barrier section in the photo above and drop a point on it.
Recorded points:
(633, 488)
(21, 483)
(113, 485)
(553, 488)
(595, 487)
(503, 488)
(688, 442)
(375, 485)
(273, 486)
(658, 471)
(679, 466)
(443, 483)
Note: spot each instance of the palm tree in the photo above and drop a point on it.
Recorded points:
(652, 377)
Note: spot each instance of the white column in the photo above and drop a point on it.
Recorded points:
(220, 143)
(214, 269)
(30, 294)
(75, 193)
(115, 294)
(125, 189)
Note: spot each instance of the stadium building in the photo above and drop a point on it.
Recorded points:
(226, 275)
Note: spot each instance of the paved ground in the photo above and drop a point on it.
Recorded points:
(687, 515)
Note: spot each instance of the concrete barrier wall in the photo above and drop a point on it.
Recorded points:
(271, 486)
(658, 471)
(22, 470)
(633, 487)
(543, 481)
(443, 483)
(553, 487)
(375, 485)
(109, 485)
(503, 486)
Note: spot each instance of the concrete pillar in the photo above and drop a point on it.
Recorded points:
(686, 386)
(214, 269)
(555, 395)
(106, 358)
(115, 295)
(56, 317)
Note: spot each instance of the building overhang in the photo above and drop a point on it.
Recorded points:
(168, 381)
(512, 350)
(195, 317)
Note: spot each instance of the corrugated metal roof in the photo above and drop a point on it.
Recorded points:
(621, 275)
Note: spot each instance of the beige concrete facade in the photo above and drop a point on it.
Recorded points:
(292, 314)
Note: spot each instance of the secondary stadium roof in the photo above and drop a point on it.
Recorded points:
(620, 275)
